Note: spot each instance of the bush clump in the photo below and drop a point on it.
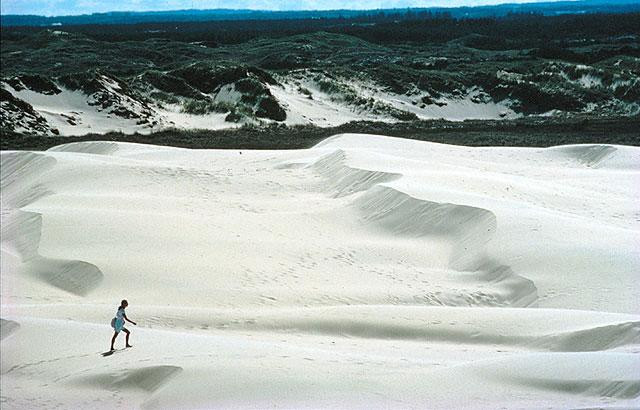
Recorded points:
(198, 107)
(171, 84)
(39, 84)
(268, 107)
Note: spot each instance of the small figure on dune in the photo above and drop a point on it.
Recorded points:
(117, 323)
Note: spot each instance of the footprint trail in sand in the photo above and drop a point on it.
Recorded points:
(365, 272)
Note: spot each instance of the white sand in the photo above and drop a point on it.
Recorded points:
(318, 108)
(323, 109)
(366, 272)
(72, 113)
(75, 113)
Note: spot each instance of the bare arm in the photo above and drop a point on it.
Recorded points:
(127, 319)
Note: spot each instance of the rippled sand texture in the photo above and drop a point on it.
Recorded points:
(365, 272)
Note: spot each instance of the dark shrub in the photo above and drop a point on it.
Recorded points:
(39, 84)
(208, 78)
(268, 107)
(251, 86)
(171, 84)
(233, 117)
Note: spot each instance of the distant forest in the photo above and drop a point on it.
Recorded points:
(513, 31)
(549, 8)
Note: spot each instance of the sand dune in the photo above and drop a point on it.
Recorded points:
(144, 378)
(103, 148)
(365, 272)
(21, 231)
(7, 327)
(345, 180)
(588, 155)
(545, 329)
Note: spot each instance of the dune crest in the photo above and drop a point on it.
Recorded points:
(595, 338)
(588, 155)
(21, 230)
(572, 373)
(346, 180)
(365, 272)
(20, 168)
(93, 147)
(466, 230)
(7, 327)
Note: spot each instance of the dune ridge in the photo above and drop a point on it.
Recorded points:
(364, 272)
(147, 378)
(20, 168)
(93, 147)
(21, 230)
(545, 330)
(596, 338)
(21, 233)
(466, 229)
(384, 324)
(576, 373)
(587, 155)
(346, 180)
(152, 378)
(7, 327)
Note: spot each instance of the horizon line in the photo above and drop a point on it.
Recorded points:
(505, 3)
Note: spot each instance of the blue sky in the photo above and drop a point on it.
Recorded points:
(66, 7)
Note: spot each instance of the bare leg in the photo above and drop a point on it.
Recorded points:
(127, 339)
(113, 339)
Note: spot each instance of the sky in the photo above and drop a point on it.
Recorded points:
(71, 7)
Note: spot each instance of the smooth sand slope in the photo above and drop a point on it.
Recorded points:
(365, 272)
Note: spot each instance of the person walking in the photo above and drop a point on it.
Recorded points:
(118, 324)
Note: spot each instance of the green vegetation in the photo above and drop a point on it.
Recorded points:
(205, 107)
(268, 107)
(569, 63)
(170, 84)
(531, 132)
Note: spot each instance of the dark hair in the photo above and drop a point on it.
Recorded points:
(123, 302)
